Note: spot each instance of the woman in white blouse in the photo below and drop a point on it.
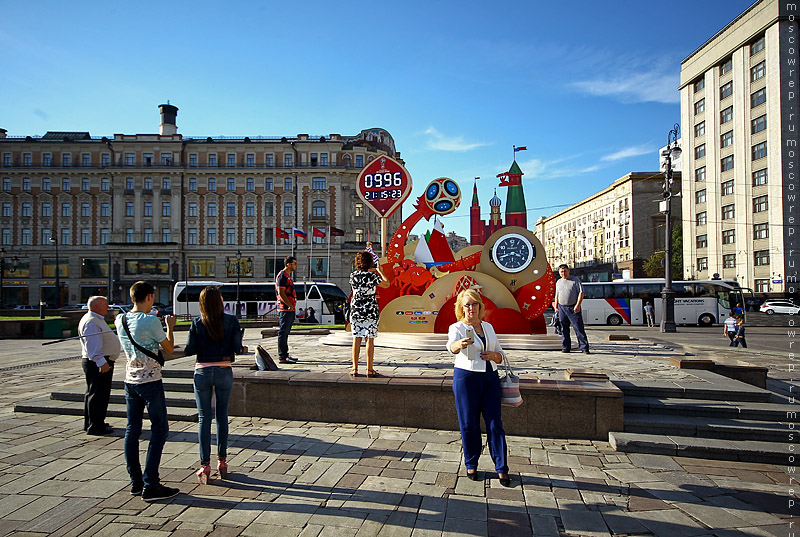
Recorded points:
(476, 384)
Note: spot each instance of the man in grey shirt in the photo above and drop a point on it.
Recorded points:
(569, 295)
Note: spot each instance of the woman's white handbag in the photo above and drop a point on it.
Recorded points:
(509, 383)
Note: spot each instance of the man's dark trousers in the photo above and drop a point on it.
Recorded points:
(98, 392)
(285, 321)
(567, 316)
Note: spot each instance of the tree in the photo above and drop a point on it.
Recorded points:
(654, 267)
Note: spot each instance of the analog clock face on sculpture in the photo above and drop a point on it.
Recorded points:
(513, 253)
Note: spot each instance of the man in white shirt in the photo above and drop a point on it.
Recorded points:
(99, 348)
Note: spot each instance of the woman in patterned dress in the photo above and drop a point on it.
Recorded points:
(364, 312)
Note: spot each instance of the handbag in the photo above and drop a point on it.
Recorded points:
(157, 357)
(264, 361)
(509, 385)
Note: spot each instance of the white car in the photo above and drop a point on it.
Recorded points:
(779, 306)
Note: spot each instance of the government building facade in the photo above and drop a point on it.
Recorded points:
(106, 212)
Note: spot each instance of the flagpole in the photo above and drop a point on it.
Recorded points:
(275, 255)
(311, 255)
(328, 272)
(514, 152)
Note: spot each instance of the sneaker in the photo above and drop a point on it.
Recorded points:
(288, 360)
(159, 492)
(136, 489)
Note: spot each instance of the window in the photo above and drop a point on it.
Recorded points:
(45, 236)
(128, 208)
(761, 258)
(700, 196)
(758, 98)
(250, 236)
(231, 209)
(6, 236)
(287, 160)
(729, 261)
(66, 209)
(702, 241)
(86, 160)
(762, 285)
(251, 184)
(729, 236)
(65, 184)
(758, 124)
(212, 161)
(148, 208)
(148, 235)
(700, 151)
(700, 174)
(700, 128)
(318, 209)
(166, 208)
(46, 184)
(192, 209)
(230, 236)
(193, 184)
(85, 210)
(726, 66)
(726, 90)
(66, 160)
(758, 70)
(700, 219)
(231, 160)
(212, 236)
(360, 158)
(212, 184)
(250, 209)
(26, 209)
(105, 160)
(26, 159)
(148, 183)
(269, 160)
(231, 184)
(192, 161)
(760, 150)
(313, 159)
(702, 263)
(27, 239)
(359, 235)
(130, 159)
(6, 209)
(166, 159)
(726, 139)
(148, 159)
(105, 209)
(287, 208)
(727, 188)
(105, 234)
(760, 177)
(47, 160)
(358, 210)
(251, 160)
(66, 237)
(166, 183)
(268, 209)
(728, 211)
(212, 209)
(129, 183)
(761, 231)
(699, 108)
(166, 236)
(45, 210)
(760, 204)
(86, 237)
(726, 115)
(318, 183)
(192, 239)
(7, 161)
(85, 184)
(26, 184)
(726, 163)
(287, 183)
(757, 46)
(323, 159)
(268, 183)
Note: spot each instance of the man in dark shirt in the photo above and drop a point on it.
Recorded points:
(287, 301)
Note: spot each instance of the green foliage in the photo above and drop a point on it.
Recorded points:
(653, 267)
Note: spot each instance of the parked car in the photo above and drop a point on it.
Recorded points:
(123, 308)
(779, 306)
(26, 307)
(167, 310)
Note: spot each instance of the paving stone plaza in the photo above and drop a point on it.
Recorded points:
(327, 479)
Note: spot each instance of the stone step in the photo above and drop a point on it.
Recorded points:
(74, 408)
(744, 410)
(175, 384)
(438, 342)
(708, 386)
(119, 399)
(721, 428)
(704, 448)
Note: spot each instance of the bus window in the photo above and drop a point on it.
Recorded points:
(646, 291)
(596, 291)
(704, 290)
(723, 296)
(619, 290)
(683, 290)
(193, 292)
(313, 294)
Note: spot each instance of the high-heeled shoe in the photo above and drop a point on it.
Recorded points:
(203, 474)
(505, 481)
(472, 476)
(222, 468)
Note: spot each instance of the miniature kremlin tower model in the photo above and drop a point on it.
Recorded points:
(516, 214)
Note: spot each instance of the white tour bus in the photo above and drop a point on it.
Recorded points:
(622, 301)
(257, 299)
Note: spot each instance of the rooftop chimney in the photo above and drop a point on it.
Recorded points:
(168, 115)
(3, 133)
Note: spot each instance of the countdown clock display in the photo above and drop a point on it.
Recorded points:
(384, 184)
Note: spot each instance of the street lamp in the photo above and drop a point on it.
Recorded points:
(238, 281)
(3, 268)
(54, 241)
(672, 151)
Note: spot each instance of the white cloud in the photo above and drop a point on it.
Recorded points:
(440, 142)
(633, 151)
(639, 87)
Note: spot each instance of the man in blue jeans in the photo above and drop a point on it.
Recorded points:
(143, 388)
(287, 302)
(569, 295)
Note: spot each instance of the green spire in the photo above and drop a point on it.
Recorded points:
(515, 169)
(475, 193)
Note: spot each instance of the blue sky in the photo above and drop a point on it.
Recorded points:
(589, 87)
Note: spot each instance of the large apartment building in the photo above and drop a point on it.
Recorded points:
(739, 106)
(611, 232)
(165, 207)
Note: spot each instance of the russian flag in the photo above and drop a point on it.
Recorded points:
(523, 148)
(300, 233)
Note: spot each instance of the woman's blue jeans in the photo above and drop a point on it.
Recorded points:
(208, 380)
